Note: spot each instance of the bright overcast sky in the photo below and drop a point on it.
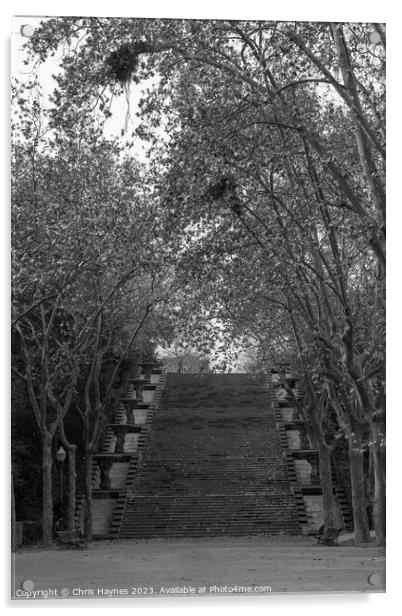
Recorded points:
(115, 124)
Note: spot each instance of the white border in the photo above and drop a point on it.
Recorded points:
(341, 10)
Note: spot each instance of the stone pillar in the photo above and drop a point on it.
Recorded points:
(148, 395)
(139, 386)
(304, 442)
(287, 413)
(140, 416)
(105, 466)
(303, 471)
(293, 439)
(315, 475)
(130, 414)
(120, 438)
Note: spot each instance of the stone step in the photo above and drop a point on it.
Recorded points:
(241, 532)
(102, 511)
(212, 463)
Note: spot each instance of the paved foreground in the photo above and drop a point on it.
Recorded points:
(215, 566)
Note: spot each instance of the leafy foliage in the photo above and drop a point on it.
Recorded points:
(263, 201)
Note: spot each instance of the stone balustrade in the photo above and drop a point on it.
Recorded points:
(119, 447)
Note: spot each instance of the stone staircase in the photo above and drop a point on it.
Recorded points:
(301, 456)
(206, 455)
(120, 447)
(212, 465)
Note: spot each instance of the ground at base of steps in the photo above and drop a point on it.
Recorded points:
(285, 564)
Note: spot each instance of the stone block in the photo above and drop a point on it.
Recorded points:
(313, 504)
(303, 471)
(131, 442)
(140, 416)
(294, 441)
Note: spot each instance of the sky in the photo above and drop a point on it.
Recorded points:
(115, 124)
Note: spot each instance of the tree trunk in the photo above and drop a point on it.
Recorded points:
(47, 497)
(331, 511)
(332, 514)
(379, 502)
(72, 481)
(88, 495)
(72, 478)
(360, 518)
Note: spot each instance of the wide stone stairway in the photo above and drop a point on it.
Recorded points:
(212, 463)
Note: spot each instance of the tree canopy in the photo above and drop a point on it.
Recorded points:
(262, 201)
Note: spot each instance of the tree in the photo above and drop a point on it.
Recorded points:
(146, 294)
(275, 159)
(78, 212)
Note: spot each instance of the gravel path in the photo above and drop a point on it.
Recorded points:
(218, 566)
